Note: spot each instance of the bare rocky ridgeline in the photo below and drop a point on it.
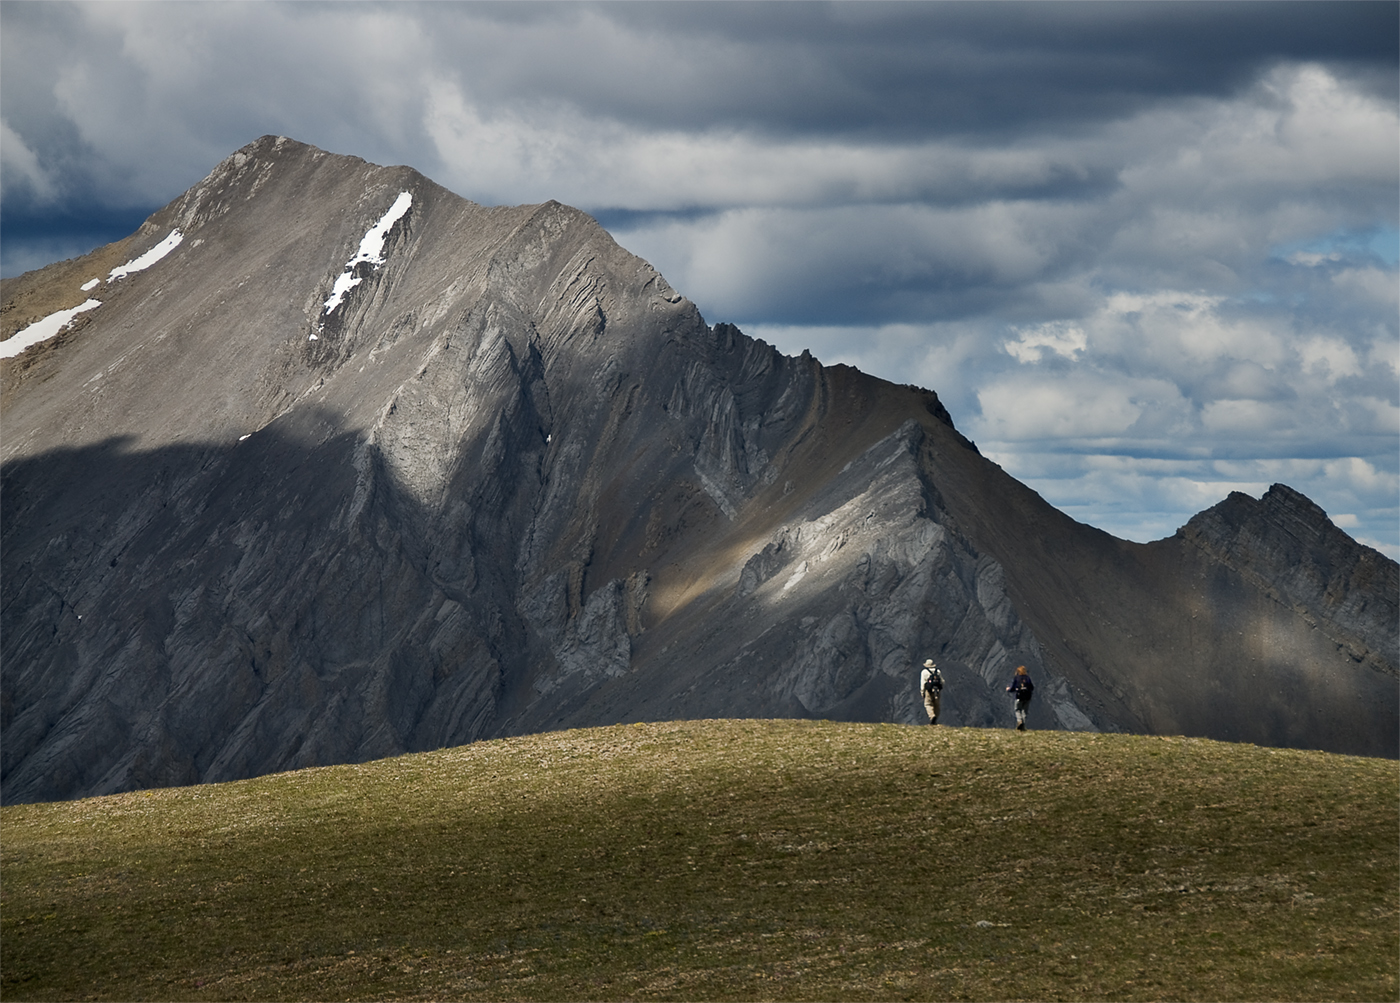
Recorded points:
(514, 482)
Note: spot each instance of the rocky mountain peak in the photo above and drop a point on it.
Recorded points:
(356, 466)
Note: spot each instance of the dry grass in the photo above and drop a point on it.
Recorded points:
(34, 295)
(726, 860)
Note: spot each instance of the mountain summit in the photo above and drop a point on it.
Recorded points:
(333, 464)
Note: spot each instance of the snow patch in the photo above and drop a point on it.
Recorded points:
(90, 285)
(149, 258)
(371, 251)
(43, 330)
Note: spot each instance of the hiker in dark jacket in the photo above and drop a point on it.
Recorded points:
(1022, 688)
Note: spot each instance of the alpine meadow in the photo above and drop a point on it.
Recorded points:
(726, 860)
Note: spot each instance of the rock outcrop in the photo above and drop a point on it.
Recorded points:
(326, 484)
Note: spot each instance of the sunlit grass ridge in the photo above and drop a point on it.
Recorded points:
(727, 859)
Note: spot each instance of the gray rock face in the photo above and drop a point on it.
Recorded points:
(512, 481)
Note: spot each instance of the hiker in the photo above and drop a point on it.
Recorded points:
(931, 686)
(1022, 687)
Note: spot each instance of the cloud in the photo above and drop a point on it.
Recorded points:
(1182, 198)
(1376, 285)
(1058, 336)
(1146, 253)
(1084, 406)
(19, 165)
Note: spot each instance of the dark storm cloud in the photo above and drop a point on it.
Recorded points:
(906, 70)
(65, 231)
(900, 71)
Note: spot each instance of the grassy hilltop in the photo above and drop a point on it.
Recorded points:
(726, 860)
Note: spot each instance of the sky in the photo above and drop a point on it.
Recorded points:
(1145, 253)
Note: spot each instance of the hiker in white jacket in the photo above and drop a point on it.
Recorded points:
(931, 686)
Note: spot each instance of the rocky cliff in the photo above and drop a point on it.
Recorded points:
(343, 465)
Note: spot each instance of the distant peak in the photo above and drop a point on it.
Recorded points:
(1284, 523)
(271, 143)
(1282, 498)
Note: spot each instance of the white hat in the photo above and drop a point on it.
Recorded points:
(928, 664)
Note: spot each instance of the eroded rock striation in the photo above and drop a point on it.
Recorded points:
(360, 467)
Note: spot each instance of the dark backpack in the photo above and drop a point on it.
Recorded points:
(933, 684)
(1024, 687)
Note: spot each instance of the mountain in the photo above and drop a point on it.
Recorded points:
(338, 465)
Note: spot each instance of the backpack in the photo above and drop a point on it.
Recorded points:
(933, 684)
(1025, 687)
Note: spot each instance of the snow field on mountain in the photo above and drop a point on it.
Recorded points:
(371, 250)
(47, 327)
(148, 259)
(43, 330)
